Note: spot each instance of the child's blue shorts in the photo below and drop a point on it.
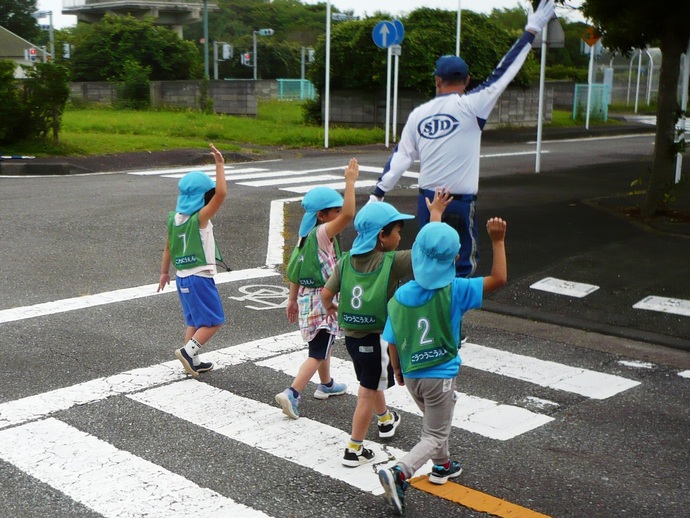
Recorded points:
(200, 300)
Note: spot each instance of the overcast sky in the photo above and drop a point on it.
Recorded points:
(360, 7)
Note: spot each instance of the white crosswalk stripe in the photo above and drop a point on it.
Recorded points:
(298, 182)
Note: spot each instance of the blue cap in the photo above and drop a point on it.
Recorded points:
(318, 198)
(369, 222)
(451, 67)
(433, 255)
(192, 187)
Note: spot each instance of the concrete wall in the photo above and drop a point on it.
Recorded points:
(516, 107)
(229, 97)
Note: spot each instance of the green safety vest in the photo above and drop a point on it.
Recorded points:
(185, 245)
(186, 248)
(423, 334)
(304, 266)
(363, 296)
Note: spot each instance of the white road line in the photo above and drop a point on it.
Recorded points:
(592, 384)
(474, 414)
(563, 287)
(515, 153)
(276, 234)
(665, 305)
(109, 297)
(41, 405)
(591, 139)
(291, 181)
(108, 480)
(266, 428)
(338, 186)
(684, 374)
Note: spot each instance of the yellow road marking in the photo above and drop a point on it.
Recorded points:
(474, 499)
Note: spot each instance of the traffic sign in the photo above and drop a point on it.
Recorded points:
(384, 34)
(590, 36)
(400, 31)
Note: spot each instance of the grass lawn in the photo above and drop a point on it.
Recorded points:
(104, 131)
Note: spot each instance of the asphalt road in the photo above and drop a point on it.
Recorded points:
(581, 405)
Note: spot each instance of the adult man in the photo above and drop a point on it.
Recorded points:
(445, 135)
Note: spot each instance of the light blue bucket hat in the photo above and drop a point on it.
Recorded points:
(433, 255)
(369, 222)
(318, 198)
(192, 187)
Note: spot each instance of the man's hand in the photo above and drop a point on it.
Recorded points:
(537, 20)
(373, 199)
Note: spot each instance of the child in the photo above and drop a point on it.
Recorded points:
(191, 249)
(311, 263)
(423, 330)
(367, 277)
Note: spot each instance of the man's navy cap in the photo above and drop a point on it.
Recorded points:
(451, 67)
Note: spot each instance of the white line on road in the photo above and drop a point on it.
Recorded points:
(592, 384)
(109, 297)
(41, 405)
(266, 428)
(665, 305)
(474, 414)
(563, 287)
(110, 481)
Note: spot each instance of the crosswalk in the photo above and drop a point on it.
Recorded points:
(298, 182)
(113, 481)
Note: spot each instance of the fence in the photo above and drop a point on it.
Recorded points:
(598, 103)
(295, 89)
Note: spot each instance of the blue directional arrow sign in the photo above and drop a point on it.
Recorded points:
(384, 34)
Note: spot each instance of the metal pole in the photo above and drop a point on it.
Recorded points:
(542, 82)
(639, 71)
(457, 31)
(327, 85)
(395, 97)
(206, 39)
(627, 98)
(650, 71)
(684, 107)
(590, 80)
(388, 97)
(254, 57)
(52, 39)
(301, 83)
(215, 60)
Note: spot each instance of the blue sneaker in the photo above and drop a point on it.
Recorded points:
(324, 392)
(394, 484)
(187, 362)
(440, 474)
(289, 403)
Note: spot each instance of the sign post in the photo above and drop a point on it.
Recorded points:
(387, 35)
(590, 36)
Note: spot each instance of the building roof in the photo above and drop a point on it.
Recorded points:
(12, 46)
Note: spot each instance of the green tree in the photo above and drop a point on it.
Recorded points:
(16, 16)
(46, 90)
(103, 50)
(634, 24)
(12, 107)
(356, 63)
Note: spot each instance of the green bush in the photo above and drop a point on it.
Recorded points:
(13, 112)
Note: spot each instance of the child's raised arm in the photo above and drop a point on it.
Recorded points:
(210, 209)
(347, 213)
(442, 199)
(496, 228)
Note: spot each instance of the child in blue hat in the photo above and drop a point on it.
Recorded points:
(191, 249)
(366, 278)
(423, 330)
(311, 263)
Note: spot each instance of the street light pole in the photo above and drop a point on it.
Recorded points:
(206, 40)
(255, 56)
